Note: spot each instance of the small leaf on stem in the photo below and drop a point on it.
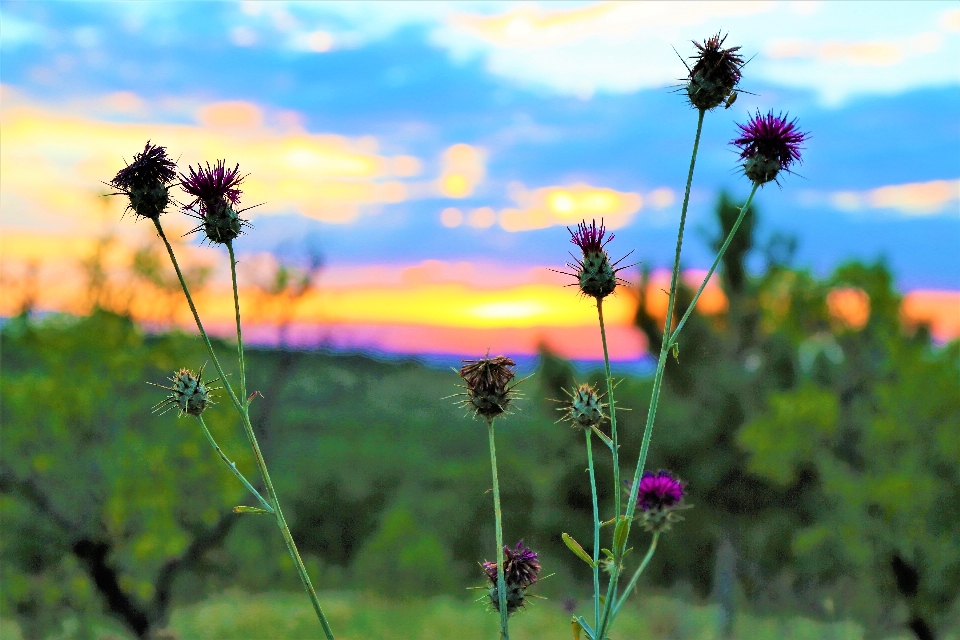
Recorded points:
(574, 546)
(242, 509)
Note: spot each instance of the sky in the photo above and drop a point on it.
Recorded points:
(433, 153)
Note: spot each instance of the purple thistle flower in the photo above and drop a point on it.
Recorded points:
(520, 566)
(715, 74)
(769, 144)
(658, 490)
(595, 274)
(589, 237)
(660, 497)
(212, 185)
(144, 181)
(215, 192)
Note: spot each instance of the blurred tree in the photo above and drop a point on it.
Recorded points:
(817, 434)
(99, 496)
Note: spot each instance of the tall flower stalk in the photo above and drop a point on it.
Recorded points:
(146, 182)
(768, 145)
(488, 395)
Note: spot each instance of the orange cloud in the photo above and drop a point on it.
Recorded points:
(914, 198)
(54, 162)
(462, 169)
(550, 206)
(877, 53)
(533, 27)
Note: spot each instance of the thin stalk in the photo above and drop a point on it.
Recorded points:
(596, 530)
(248, 428)
(613, 410)
(501, 586)
(723, 250)
(233, 466)
(636, 576)
(261, 463)
(236, 306)
(196, 317)
(661, 363)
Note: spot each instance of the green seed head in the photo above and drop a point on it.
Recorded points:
(221, 223)
(597, 278)
(585, 409)
(187, 393)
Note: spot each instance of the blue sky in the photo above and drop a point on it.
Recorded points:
(549, 95)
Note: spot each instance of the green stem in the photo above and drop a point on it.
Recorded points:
(723, 250)
(232, 465)
(661, 363)
(196, 317)
(248, 428)
(501, 586)
(636, 576)
(596, 530)
(613, 410)
(236, 306)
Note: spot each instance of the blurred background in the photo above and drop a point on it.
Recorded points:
(412, 171)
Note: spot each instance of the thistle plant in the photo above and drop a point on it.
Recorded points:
(489, 394)
(769, 145)
(215, 189)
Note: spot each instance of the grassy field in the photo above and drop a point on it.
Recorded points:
(238, 616)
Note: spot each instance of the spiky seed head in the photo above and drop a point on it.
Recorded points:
(487, 381)
(660, 498)
(145, 181)
(595, 274)
(585, 409)
(216, 193)
(188, 394)
(715, 73)
(520, 570)
(768, 145)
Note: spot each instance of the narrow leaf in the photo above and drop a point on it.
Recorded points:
(574, 546)
(586, 627)
(620, 536)
(242, 509)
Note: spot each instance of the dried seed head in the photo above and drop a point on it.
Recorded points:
(660, 497)
(188, 394)
(216, 193)
(595, 274)
(520, 570)
(585, 409)
(489, 391)
(768, 145)
(714, 75)
(145, 181)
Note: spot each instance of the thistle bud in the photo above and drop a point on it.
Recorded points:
(714, 75)
(489, 391)
(520, 569)
(145, 181)
(216, 193)
(585, 409)
(659, 498)
(596, 275)
(188, 394)
(768, 145)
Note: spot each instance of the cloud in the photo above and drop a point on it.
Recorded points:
(623, 47)
(54, 160)
(566, 205)
(911, 199)
(462, 169)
